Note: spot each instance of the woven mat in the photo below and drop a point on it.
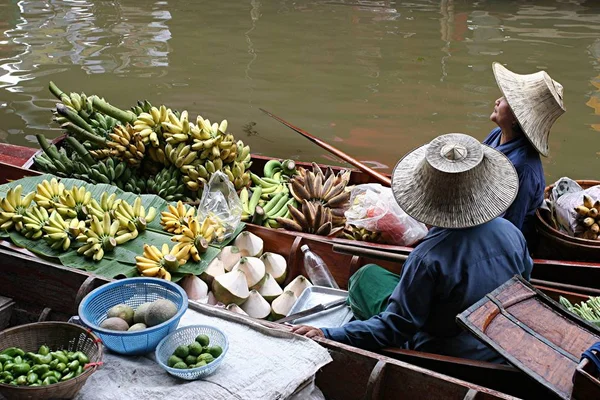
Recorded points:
(261, 363)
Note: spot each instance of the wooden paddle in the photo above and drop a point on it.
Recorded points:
(384, 180)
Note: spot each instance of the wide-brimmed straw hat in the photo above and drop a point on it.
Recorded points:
(454, 182)
(535, 99)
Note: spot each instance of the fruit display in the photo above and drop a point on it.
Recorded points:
(123, 317)
(588, 310)
(69, 218)
(195, 355)
(146, 149)
(247, 280)
(588, 214)
(46, 367)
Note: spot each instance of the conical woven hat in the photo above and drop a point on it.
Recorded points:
(535, 99)
(454, 182)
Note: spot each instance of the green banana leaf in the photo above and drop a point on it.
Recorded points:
(119, 262)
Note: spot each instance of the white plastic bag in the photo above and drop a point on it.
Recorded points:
(566, 195)
(219, 199)
(373, 207)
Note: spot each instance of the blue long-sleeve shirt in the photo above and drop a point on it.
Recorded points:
(531, 182)
(450, 270)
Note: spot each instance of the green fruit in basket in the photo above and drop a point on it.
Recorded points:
(215, 351)
(137, 327)
(190, 360)
(206, 357)
(160, 311)
(122, 311)
(114, 324)
(180, 365)
(173, 360)
(195, 349)
(139, 316)
(200, 364)
(182, 351)
(203, 340)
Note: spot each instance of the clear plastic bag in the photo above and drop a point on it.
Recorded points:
(219, 199)
(566, 195)
(373, 207)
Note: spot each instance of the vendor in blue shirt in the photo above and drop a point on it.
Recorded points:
(459, 187)
(524, 114)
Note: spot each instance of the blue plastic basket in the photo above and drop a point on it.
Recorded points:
(133, 292)
(186, 336)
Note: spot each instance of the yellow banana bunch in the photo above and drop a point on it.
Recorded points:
(14, 208)
(176, 130)
(126, 143)
(33, 221)
(176, 218)
(73, 202)
(196, 237)
(160, 263)
(48, 193)
(148, 125)
(57, 231)
(134, 218)
(101, 236)
(108, 203)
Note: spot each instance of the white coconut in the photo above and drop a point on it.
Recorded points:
(298, 285)
(254, 269)
(236, 309)
(256, 306)
(229, 256)
(249, 244)
(195, 288)
(282, 305)
(270, 289)
(276, 265)
(211, 299)
(214, 268)
(231, 287)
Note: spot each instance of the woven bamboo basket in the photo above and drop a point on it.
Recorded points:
(56, 335)
(554, 244)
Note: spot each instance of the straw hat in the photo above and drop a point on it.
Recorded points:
(454, 182)
(535, 99)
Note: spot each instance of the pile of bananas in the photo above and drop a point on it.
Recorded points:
(160, 263)
(64, 216)
(146, 149)
(323, 199)
(589, 218)
(355, 233)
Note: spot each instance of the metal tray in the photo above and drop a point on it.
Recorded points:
(315, 295)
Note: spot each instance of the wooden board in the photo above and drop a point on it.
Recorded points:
(533, 332)
(586, 381)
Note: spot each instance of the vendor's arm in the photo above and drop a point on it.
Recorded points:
(406, 313)
(518, 210)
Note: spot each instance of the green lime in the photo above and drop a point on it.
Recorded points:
(182, 352)
(190, 360)
(215, 351)
(195, 349)
(203, 340)
(206, 357)
(200, 364)
(180, 365)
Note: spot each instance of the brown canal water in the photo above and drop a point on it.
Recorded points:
(374, 78)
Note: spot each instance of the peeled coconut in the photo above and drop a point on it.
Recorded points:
(298, 285)
(236, 309)
(211, 299)
(229, 256)
(282, 305)
(249, 244)
(231, 287)
(276, 265)
(114, 324)
(254, 269)
(160, 311)
(195, 288)
(215, 268)
(270, 289)
(122, 311)
(256, 306)
(140, 313)
(137, 327)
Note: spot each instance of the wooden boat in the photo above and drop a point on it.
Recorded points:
(46, 291)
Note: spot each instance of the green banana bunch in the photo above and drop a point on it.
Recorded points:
(270, 187)
(13, 207)
(142, 106)
(279, 170)
(33, 221)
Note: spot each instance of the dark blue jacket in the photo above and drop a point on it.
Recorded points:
(531, 182)
(450, 270)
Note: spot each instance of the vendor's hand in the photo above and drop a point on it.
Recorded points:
(308, 331)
